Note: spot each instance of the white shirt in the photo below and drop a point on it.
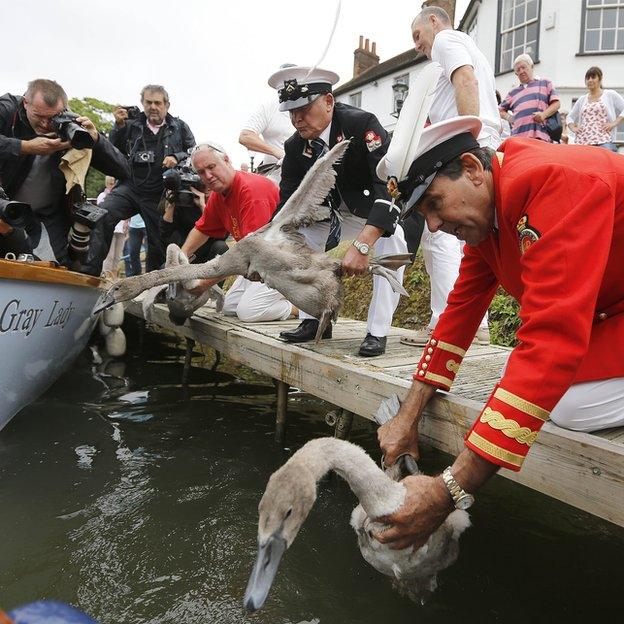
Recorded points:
(273, 125)
(453, 49)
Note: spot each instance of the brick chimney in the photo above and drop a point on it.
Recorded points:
(364, 57)
(447, 5)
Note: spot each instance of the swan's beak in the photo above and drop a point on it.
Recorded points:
(105, 302)
(264, 571)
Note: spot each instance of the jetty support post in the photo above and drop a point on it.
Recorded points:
(282, 407)
(343, 424)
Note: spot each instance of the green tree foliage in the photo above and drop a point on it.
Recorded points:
(101, 114)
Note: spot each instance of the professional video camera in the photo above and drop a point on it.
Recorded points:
(67, 129)
(133, 111)
(178, 181)
(85, 216)
(14, 213)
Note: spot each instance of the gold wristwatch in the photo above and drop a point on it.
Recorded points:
(461, 498)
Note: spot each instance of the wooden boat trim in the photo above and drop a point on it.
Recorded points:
(45, 272)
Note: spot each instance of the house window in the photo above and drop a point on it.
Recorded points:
(355, 99)
(518, 28)
(603, 26)
(400, 89)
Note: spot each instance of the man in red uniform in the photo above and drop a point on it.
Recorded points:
(240, 203)
(547, 223)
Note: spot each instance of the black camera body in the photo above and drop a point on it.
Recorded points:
(133, 111)
(144, 158)
(14, 213)
(179, 180)
(67, 129)
(85, 216)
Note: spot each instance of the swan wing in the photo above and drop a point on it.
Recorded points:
(305, 205)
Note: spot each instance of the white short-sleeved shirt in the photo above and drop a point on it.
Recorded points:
(272, 125)
(453, 49)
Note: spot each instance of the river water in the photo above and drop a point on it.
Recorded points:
(135, 500)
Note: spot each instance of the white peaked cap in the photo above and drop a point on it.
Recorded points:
(296, 88)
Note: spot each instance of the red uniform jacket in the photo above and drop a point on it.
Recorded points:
(558, 248)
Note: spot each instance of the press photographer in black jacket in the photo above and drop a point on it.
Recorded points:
(30, 154)
(153, 141)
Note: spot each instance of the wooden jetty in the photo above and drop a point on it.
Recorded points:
(583, 470)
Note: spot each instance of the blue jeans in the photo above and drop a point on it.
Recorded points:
(612, 147)
(132, 251)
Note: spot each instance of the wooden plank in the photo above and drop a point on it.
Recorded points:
(581, 469)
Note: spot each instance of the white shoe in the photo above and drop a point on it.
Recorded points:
(418, 338)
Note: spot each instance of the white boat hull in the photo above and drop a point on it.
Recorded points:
(44, 325)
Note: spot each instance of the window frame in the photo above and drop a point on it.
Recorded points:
(585, 8)
(357, 94)
(499, 38)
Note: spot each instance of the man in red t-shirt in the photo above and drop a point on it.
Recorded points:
(240, 203)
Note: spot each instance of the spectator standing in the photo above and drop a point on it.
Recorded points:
(529, 105)
(595, 116)
(132, 248)
(466, 87)
(115, 251)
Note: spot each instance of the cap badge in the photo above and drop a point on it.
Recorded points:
(290, 85)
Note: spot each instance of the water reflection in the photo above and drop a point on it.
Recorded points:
(135, 499)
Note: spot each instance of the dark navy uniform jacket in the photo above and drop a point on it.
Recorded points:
(361, 190)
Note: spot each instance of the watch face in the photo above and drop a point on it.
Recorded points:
(465, 501)
(364, 248)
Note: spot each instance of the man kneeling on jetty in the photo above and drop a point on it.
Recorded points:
(239, 203)
(547, 223)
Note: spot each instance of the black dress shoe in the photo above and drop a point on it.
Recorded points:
(371, 345)
(305, 332)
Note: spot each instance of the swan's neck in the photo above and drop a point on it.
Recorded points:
(378, 494)
(220, 267)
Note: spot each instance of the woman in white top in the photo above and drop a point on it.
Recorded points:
(595, 116)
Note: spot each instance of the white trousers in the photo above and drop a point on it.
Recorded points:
(255, 302)
(115, 252)
(442, 253)
(384, 300)
(591, 406)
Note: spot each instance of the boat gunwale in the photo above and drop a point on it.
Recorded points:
(34, 272)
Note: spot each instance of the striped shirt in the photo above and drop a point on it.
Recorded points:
(525, 100)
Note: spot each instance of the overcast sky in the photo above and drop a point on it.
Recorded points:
(213, 57)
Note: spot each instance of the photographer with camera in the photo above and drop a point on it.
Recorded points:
(36, 132)
(153, 141)
(184, 204)
(13, 218)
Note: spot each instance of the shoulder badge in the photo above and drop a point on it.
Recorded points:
(527, 235)
(372, 140)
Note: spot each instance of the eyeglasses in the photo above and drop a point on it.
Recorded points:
(202, 146)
